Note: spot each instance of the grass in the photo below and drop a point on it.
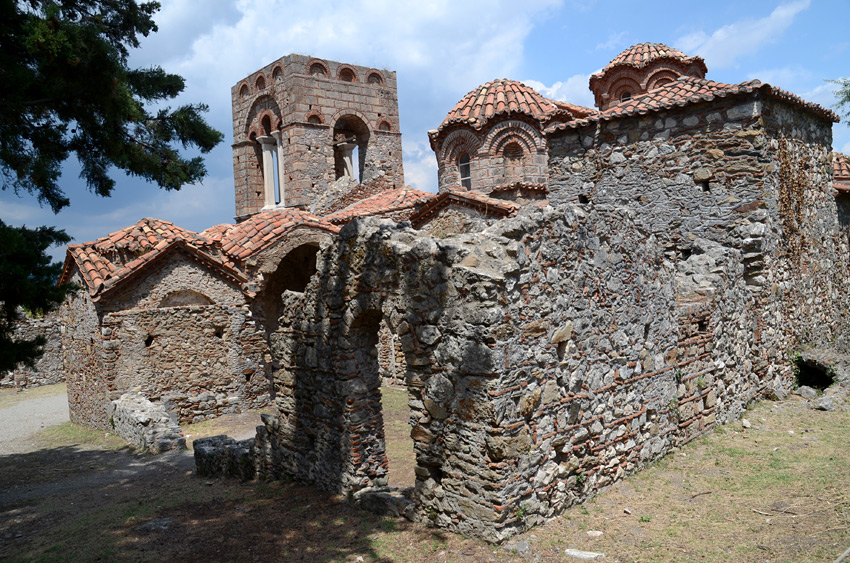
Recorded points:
(10, 397)
(70, 434)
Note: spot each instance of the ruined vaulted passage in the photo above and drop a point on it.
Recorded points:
(293, 273)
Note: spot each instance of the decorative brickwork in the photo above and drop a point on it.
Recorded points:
(315, 105)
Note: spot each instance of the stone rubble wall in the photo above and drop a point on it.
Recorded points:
(148, 426)
(48, 368)
(684, 259)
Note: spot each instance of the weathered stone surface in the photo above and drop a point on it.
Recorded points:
(147, 425)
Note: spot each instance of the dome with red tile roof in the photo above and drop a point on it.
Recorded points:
(504, 97)
(641, 68)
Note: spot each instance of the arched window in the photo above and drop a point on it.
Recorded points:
(513, 162)
(317, 69)
(277, 74)
(243, 91)
(384, 126)
(346, 75)
(625, 96)
(261, 83)
(464, 171)
(375, 78)
(314, 119)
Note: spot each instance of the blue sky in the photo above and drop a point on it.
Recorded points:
(441, 50)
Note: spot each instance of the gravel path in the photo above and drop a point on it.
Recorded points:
(21, 421)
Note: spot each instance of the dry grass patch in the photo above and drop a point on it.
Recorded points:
(12, 396)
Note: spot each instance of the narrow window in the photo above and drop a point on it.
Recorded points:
(463, 169)
(626, 96)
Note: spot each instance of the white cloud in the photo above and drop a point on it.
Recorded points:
(723, 47)
(785, 77)
(574, 90)
(420, 166)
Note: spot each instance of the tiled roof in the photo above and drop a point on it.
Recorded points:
(688, 90)
(504, 97)
(263, 229)
(642, 54)
(382, 203)
(840, 166)
(473, 199)
(109, 261)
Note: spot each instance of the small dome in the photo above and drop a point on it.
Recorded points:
(500, 96)
(641, 68)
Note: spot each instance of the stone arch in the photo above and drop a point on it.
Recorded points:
(185, 297)
(384, 125)
(260, 83)
(375, 77)
(347, 73)
(459, 141)
(277, 74)
(350, 134)
(288, 267)
(318, 67)
(244, 91)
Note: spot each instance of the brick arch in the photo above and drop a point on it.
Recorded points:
(457, 142)
(622, 85)
(383, 125)
(314, 115)
(263, 106)
(277, 73)
(320, 62)
(375, 77)
(244, 90)
(528, 137)
(344, 69)
(353, 113)
(661, 75)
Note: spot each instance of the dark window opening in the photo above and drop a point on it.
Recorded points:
(292, 274)
(351, 141)
(317, 69)
(582, 198)
(626, 96)
(464, 169)
(812, 374)
(148, 341)
(219, 332)
(704, 186)
(702, 325)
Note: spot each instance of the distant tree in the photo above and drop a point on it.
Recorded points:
(66, 89)
(843, 95)
(28, 282)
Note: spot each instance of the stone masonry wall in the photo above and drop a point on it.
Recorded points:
(198, 360)
(88, 391)
(48, 368)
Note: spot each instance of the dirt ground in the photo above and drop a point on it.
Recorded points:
(777, 491)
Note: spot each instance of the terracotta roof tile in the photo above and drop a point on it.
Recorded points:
(504, 97)
(687, 90)
(642, 54)
(260, 230)
(472, 199)
(841, 167)
(382, 203)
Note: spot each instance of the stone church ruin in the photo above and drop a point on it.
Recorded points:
(589, 288)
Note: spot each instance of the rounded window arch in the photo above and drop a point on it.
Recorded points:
(384, 126)
(375, 77)
(277, 74)
(318, 68)
(266, 124)
(260, 83)
(314, 119)
(464, 171)
(185, 298)
(351, 140)
(243, 91)
(625, 96)
(512, 151)
(347, 74)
